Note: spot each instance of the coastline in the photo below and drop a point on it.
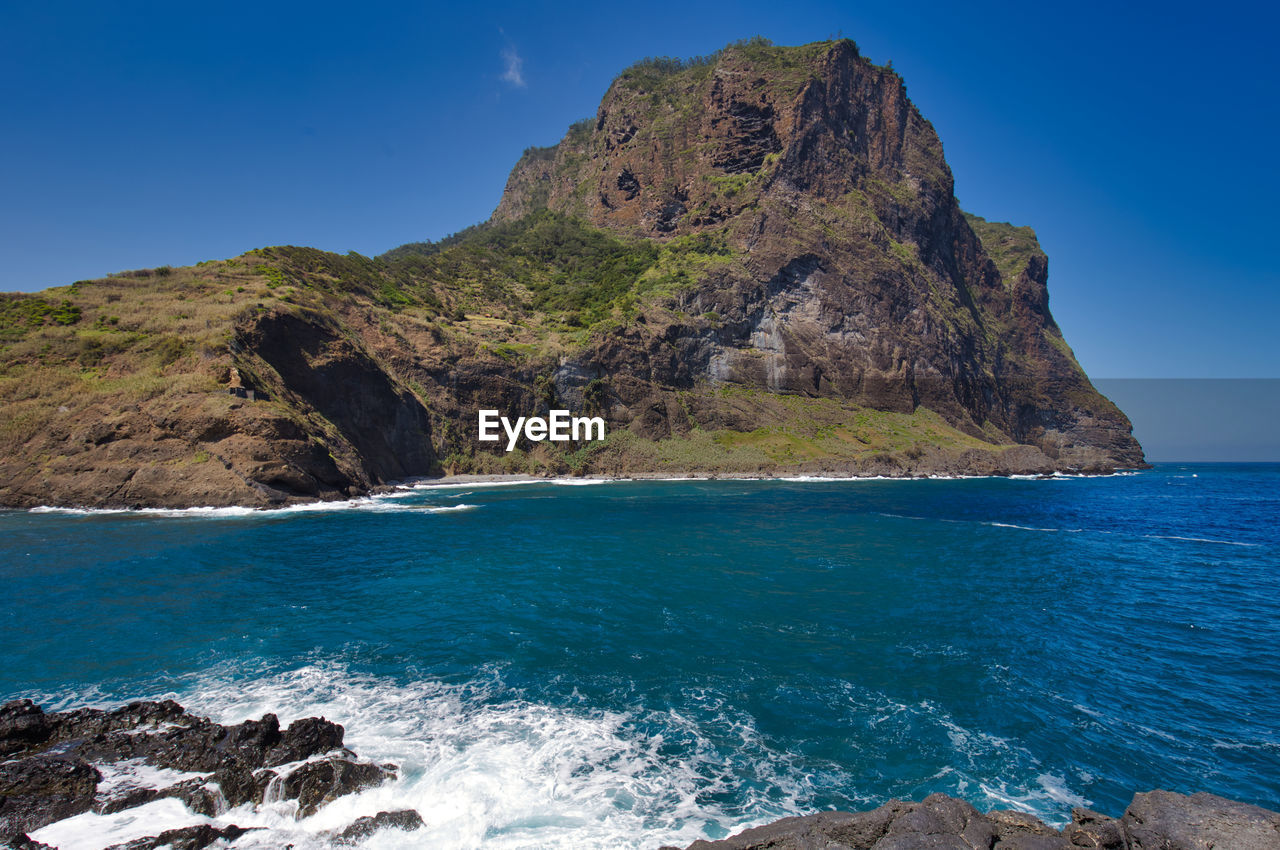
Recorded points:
(397, 489)
(150, 774)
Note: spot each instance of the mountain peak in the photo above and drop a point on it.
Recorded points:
(677, 147)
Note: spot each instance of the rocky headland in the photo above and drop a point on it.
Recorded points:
(56, 765)
(751, 262)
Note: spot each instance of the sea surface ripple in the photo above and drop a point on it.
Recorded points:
(649, 662)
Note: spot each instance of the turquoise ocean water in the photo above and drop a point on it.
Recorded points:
(635, 663)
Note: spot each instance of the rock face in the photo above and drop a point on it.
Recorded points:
(862, 280)
(55, 765)
(752, 263)
(1158, 819)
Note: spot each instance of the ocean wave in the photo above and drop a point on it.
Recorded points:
(483, 766)
(444, 509)
(453, 485)
(381, 503)
(1198, 540)
(487, 764)
(1050, 791)
(514, 482)
(1032, 527)
(998, 524)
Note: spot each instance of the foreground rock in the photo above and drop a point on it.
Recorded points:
(58, 765)
(186, 838)
(1158, 820)
(405, 819)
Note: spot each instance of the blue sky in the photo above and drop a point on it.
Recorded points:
(1140, 143)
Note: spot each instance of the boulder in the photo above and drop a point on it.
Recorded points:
(186, 838)
(405, 819)
(39, 790)
(1163, 820)
(23, 725)
(305, 738)
(319, 782)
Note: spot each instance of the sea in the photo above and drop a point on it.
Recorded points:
(629, 664)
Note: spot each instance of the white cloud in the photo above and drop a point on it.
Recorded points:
(514, 72)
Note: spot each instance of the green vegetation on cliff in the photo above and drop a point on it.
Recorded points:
(750, 262)
(1010, 247)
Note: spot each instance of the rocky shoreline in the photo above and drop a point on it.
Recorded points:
(58, 765)
(1157, 820)
(61, 764)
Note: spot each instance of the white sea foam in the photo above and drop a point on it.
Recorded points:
(135, 773)
(825, 479)
(381, 503)
(453, 485)
(1033, 527)
(1050, 793)
(484, 767)
(516, 482)
(91, 831)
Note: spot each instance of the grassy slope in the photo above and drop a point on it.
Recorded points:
(1009, 247)
(123, 340)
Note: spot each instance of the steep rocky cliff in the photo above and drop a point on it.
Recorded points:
(748, 263)
(855, 276)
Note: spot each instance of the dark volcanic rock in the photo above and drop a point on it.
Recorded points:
(405, 819)
(1159, 820)
(126, 798)
(39, 790)
(319, 782)
(1090, 829)
(186, 838)
(238, 783)
(22, 726)
(303, 739)
(1162, 820)
(182, 741)
(52, 777)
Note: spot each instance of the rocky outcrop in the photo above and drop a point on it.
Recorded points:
(406, 820)
(56, 763)
(860, 278)
(40, 790)
(325, 421)
(185, 838)
(1159, 820)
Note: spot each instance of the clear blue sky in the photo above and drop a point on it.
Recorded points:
(1140, 143)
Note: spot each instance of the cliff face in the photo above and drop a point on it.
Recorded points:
(860, 278)
(749, 264)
